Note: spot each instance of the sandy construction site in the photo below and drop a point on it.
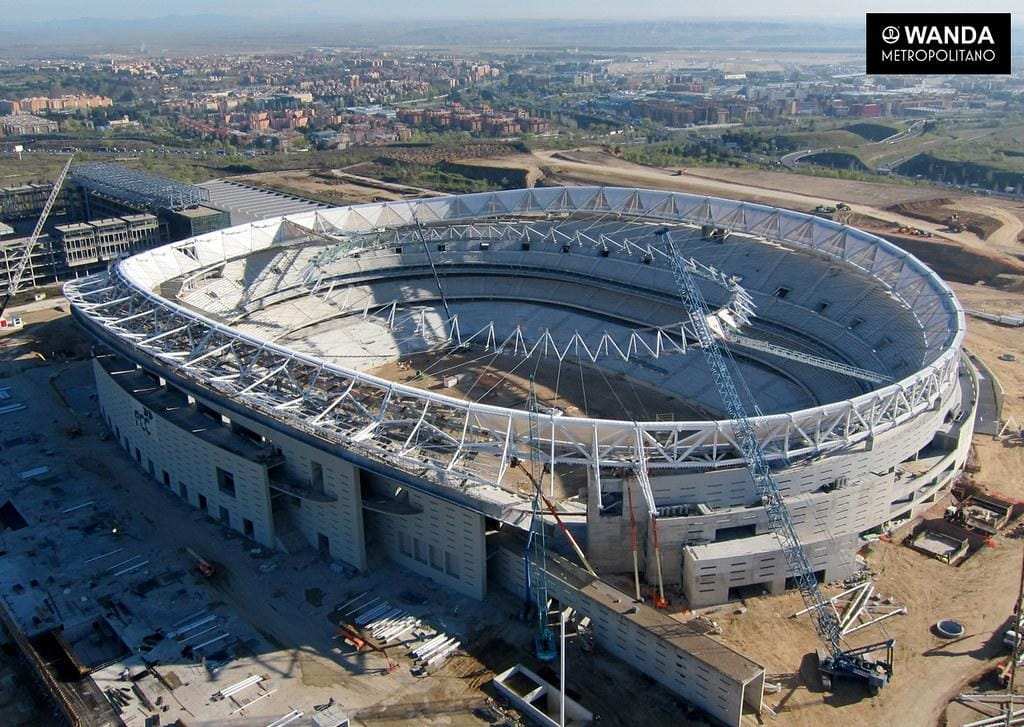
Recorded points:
(987, 274)
(930, 671)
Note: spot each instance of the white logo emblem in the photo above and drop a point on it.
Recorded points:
(891, 34)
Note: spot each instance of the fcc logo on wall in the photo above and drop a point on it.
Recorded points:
(931, 43)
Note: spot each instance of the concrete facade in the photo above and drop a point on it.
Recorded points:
(150, 425)
(715, 538)
(692, 665)
(442, 541)
(282, 492)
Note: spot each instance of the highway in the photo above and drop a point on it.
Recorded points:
(915, 129)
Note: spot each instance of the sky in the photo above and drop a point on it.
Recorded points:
(45, 10)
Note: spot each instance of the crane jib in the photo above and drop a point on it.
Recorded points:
(781, 523)
(26, 251)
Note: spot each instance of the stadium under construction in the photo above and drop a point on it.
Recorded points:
(415, 377)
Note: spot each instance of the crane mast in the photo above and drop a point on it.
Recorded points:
(535, 557)
(30, 244)
(838, 662)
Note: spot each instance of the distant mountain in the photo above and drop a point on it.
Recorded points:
(217, 32)
(229, 33)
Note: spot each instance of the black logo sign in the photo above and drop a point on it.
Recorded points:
(933, 43)
(143, 419)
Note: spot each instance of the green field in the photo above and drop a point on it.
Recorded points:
(44, 167)
(999, 147)
(33, 168)
(872, 132)
(386, 163)
(825, 138)
(994, 146)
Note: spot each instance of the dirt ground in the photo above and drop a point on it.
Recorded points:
(504, 380)
(322, 186)
(939, 210)
(1000, 224)
(872, 194)
(929, 670)
(527, 162)
(990, 341)
(1004, 218)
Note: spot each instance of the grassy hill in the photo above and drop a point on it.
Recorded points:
(870, 131)
(825, 138)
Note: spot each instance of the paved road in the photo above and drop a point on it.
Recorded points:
(987, 419)
(793, 158)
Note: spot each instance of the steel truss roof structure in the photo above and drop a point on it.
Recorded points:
(465, 444)
(142, 188)
(734, 312)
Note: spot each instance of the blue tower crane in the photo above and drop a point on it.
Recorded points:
(853, 664)
(535, 557)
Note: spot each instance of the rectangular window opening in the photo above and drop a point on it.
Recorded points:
(226, 482)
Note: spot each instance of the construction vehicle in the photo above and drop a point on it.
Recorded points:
(350, 635)
(204, 567)
(953, 223)
(30, 244)
(836, 663)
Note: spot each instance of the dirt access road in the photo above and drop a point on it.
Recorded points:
(1011, 234)
(797, 191)
(607, 169)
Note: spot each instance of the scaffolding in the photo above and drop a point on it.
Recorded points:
(137, 188)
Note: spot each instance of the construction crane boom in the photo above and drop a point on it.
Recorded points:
(30, 244)
(433, 269)
(807, 358)
(778, 513)
(853, 663)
